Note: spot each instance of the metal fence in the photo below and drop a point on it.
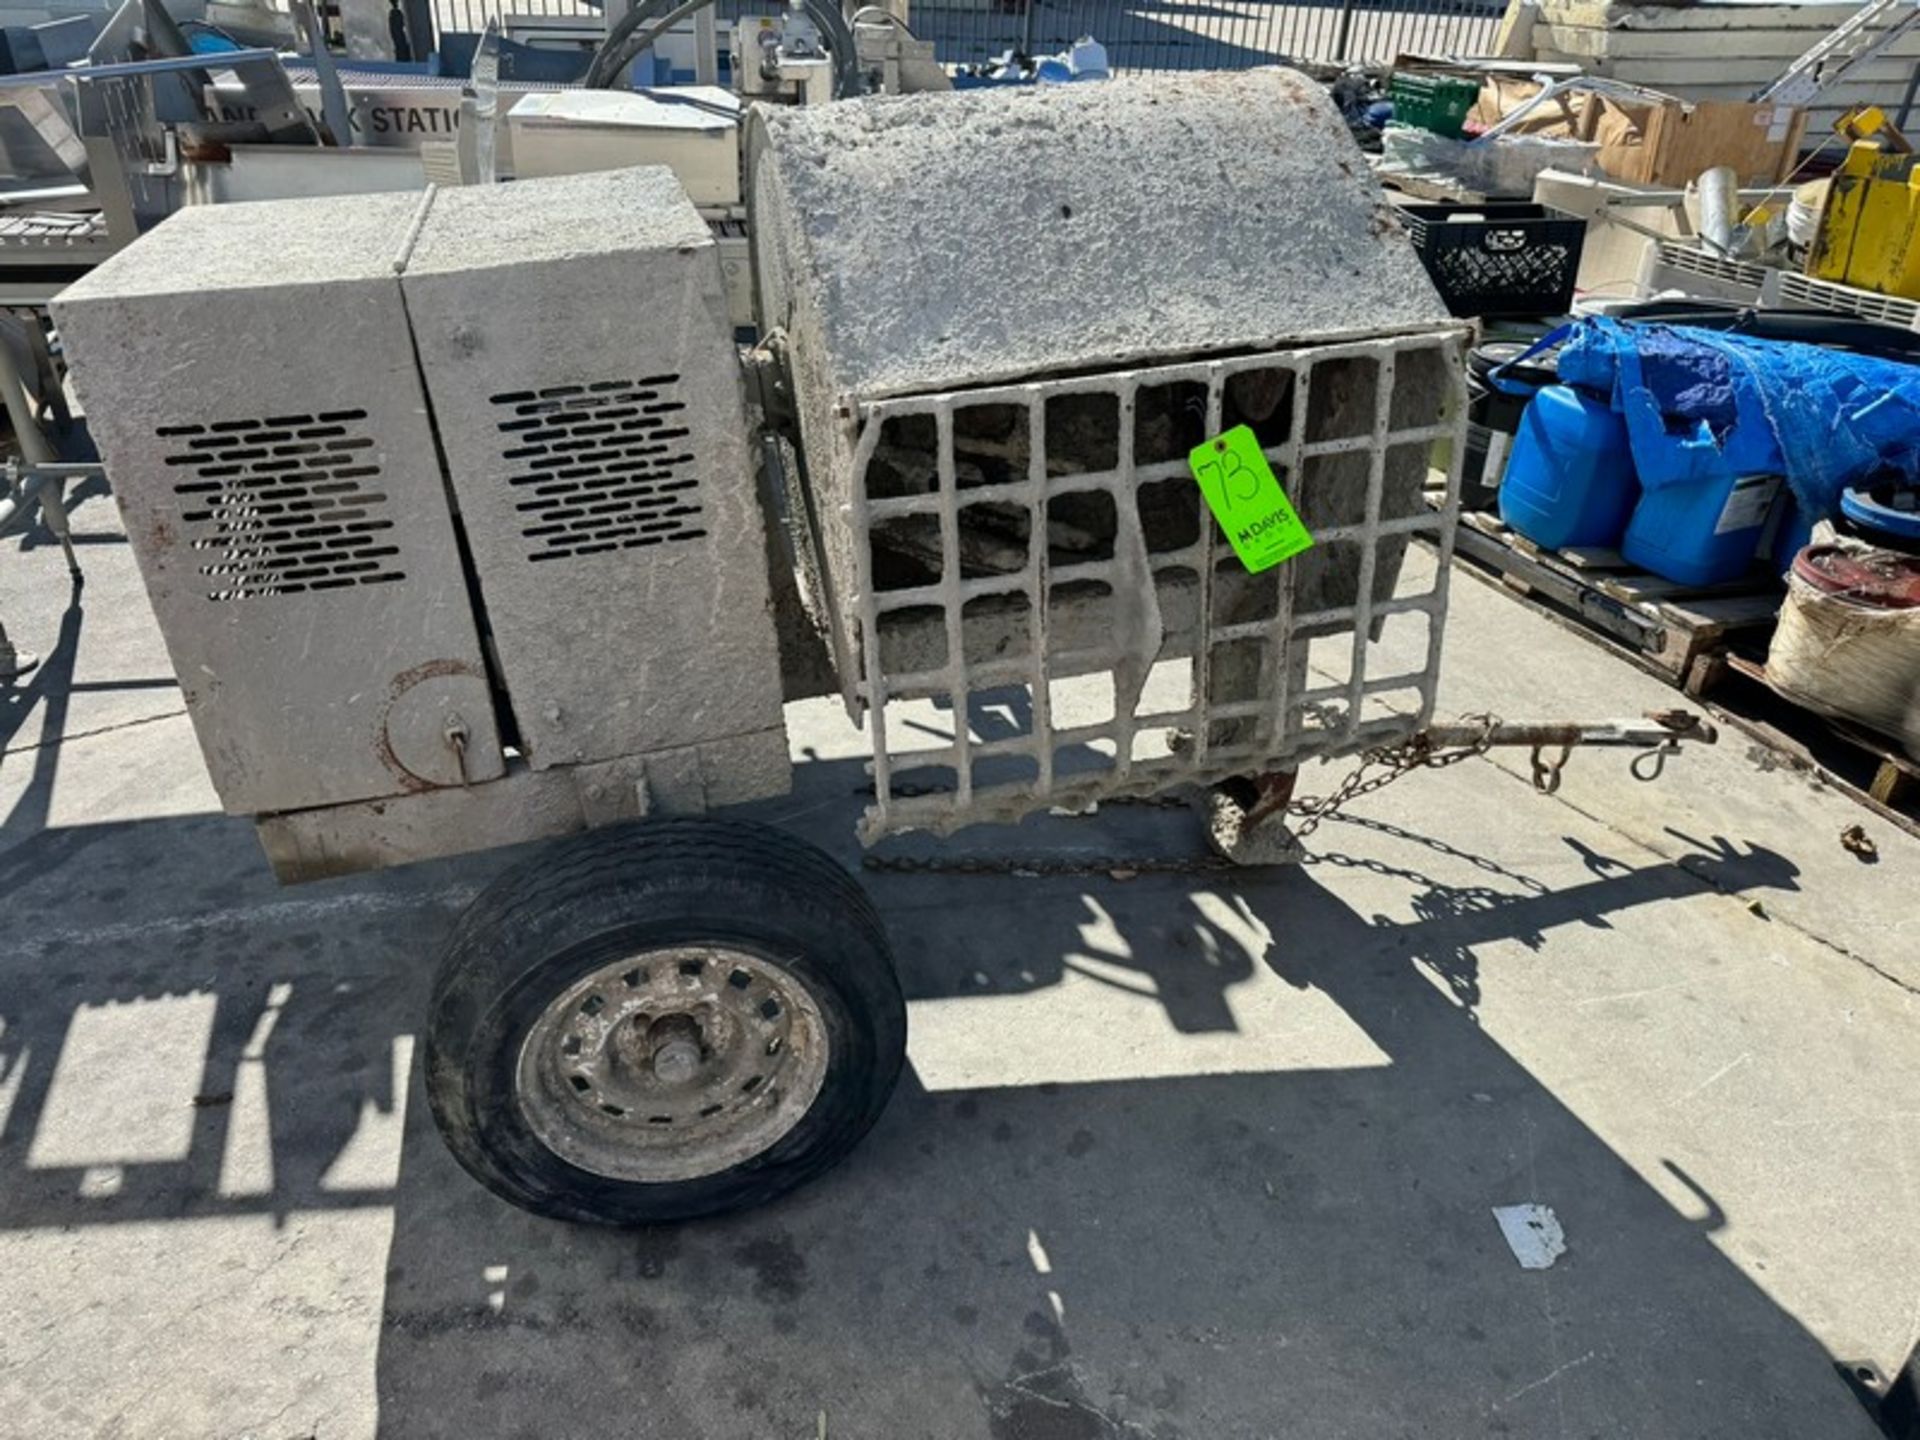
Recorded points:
(471, 16)
(1148, 35)
(1139, 35)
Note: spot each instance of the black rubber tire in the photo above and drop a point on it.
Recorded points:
(594, 898)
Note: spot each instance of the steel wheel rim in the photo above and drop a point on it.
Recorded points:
(672, 1064)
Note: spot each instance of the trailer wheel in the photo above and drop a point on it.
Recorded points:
(674, 1019)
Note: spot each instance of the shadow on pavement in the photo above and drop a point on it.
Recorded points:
(1203, 1256)
(1304, 1250)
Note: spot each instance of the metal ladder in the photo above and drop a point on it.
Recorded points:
(1852, 43)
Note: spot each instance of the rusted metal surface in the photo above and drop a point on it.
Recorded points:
(1273, 794)
(416, 739)
(1247, 817)
(673, 1064)
(1657, 728)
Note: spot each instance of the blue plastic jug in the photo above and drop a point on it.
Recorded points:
(1703, 533)
(1569, 480)
(1708, 488)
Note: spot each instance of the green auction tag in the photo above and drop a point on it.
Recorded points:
(1247, 500)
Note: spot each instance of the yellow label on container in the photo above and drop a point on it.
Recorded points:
(1247, 500)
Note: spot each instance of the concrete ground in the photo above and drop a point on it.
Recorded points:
(1196, 1155)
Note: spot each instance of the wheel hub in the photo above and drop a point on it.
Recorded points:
(672, 1064)
(677, 1049)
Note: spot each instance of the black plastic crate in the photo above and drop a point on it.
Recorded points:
(1499, 257)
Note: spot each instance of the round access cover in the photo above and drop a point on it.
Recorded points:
(424, 734)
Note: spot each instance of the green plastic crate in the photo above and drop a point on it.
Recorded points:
(1433, 102)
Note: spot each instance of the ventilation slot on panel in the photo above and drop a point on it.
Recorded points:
(600, 467)
(283, 505)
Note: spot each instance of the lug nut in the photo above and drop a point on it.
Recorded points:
(675, 1061)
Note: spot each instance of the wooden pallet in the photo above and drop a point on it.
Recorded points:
(1711, 642)
(1669, 628)
(1871, 768)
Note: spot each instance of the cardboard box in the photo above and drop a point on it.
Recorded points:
(1501, 95)
(1669, 142)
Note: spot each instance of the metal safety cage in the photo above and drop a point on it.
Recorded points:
(1199, 670)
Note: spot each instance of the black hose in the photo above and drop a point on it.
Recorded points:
(611, 58)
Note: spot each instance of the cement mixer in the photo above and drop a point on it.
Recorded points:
(467, 524)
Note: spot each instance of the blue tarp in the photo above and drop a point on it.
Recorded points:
(1701, 403)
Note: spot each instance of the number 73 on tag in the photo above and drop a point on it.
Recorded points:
(1247, 500)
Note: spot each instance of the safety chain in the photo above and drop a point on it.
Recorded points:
(1401, 759)
(1410, 755)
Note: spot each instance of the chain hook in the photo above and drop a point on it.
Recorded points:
(1658, 755)
(1489, 722)
(1546, 773)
